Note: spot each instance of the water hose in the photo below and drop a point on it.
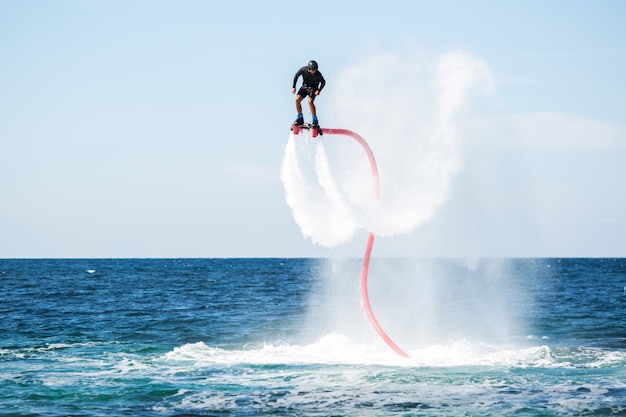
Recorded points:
(370, 241)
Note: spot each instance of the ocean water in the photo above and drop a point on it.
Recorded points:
(288, 337)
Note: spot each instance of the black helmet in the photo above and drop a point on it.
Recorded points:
(312, 65)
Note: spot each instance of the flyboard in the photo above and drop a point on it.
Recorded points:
(316, 130)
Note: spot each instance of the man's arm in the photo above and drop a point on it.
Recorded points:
(322, 83)
(295, 78)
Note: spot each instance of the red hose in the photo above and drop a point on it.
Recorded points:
(370, 241)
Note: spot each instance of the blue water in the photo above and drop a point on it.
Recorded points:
(249, 337)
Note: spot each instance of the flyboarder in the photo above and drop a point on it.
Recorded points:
(312, 84)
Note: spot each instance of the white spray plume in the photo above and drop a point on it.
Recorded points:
(407, 107)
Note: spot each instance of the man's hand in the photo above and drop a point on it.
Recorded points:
(293, 90)
(317, 92)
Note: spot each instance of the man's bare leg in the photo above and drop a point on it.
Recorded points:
(299, 104)
(312, 107)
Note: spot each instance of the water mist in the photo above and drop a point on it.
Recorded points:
(411, 108)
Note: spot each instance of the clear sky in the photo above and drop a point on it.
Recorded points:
(157, 128)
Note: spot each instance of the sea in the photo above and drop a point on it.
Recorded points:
(289, 337)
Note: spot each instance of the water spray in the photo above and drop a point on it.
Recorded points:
(421, 104)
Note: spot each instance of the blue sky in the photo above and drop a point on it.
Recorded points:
(157, 128)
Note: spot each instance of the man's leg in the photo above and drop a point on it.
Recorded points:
(313, 110)
(300, 117)
(299, 104)
(312, 107)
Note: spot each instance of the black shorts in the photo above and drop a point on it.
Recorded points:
(306, 91)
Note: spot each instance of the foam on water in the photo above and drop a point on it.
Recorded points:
(334, 349)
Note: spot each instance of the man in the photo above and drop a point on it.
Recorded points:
(312, 84)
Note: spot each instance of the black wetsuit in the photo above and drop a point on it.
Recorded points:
(310, 82)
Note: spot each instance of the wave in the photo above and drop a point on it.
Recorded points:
(334, 372)
(335, 349)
